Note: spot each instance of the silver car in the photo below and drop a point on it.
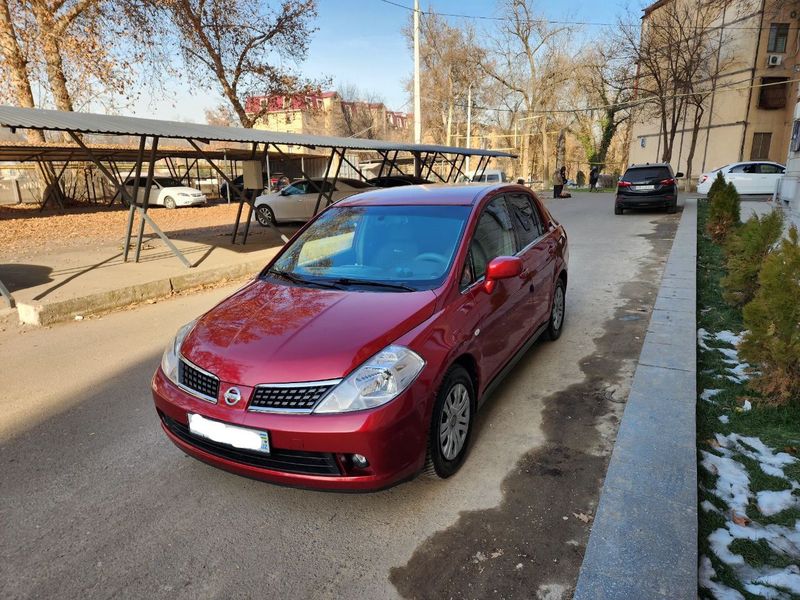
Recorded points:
(297, 201)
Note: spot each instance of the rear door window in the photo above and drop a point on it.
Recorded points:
(647, 174)
(769, 169)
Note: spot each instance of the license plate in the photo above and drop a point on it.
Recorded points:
(232, 435)
(643, 188)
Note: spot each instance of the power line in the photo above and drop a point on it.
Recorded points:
(561, 22)
(633, 103)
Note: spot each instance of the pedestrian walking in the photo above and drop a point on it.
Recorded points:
(594, 175)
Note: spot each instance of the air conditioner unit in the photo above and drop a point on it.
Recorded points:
(773, 60)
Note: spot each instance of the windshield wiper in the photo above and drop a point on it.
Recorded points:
(300, 280)
(366, 282)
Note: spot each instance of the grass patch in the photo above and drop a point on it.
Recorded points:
(778, 427)
(759, 554)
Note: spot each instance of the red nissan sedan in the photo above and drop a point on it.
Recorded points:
(362, 352)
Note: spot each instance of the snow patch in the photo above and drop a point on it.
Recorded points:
(729, 337)
(702, 337)
(724, 419)
(771, 503)
(707, 395)
(719, 591)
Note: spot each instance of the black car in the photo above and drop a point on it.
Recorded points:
(397, 180)
(647, 186)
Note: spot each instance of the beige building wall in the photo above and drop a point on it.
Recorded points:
(732, 114)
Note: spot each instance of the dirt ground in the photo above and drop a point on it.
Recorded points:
(25, 230)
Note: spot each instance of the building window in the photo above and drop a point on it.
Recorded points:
(778, 36)
(796, 136)
(772, 94)
(760, 149)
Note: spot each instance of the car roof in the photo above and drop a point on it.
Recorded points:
(649, 165)
(466, 194)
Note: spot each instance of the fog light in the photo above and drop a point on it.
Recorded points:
(360, 462)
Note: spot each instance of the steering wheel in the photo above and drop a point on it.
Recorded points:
(432, 257)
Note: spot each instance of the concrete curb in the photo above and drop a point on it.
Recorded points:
(643, 542)
(64, 310)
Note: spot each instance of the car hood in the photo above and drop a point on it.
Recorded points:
(182, 190)
(273, 333)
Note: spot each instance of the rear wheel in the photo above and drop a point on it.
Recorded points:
(451, 423)
(673, 208)
(557, 312)
(617, 210)
(169, 202)
(265, 216)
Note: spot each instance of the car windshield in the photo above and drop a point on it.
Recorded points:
(383, 248)
(646, 174)
(168, 182)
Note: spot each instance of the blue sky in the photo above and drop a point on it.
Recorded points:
(360, 42)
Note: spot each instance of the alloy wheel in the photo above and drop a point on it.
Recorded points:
(454, 423)
(558, 307)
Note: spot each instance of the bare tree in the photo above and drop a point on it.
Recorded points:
(221, 116)
(362, 113)
(603, 87)
(242, 45)
(449, 60)
(677, 55)
(15, 65)
(528, 59)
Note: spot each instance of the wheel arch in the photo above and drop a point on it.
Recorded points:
(468, 362)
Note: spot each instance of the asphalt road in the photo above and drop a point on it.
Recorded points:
(96, 503)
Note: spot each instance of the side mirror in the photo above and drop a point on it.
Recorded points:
(502, 267)
(678, 175)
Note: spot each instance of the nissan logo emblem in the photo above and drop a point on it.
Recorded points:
(232, 396)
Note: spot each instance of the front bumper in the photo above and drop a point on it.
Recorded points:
(190, 200)
(660, 201)
(310, 451)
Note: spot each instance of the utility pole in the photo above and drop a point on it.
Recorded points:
(417, 103)
(469, 122)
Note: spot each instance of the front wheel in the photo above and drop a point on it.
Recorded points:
(265, 216)
(451, 423)
(557, 312)
(169, 202)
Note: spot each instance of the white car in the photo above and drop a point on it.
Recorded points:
(297, 201)
(753, 177)
(167, 192)
(488, 176)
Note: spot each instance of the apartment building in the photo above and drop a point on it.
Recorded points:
(327, 114)
(758, 45)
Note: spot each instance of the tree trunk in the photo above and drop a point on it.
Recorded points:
(16, 65)
(698, 117)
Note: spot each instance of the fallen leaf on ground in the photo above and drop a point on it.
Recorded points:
(582, 517)
(740, 519)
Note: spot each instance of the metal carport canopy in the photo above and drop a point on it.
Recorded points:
(53, 120)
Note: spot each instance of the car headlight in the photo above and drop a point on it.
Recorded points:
(169, 361)
(379, 380)
(183, 194)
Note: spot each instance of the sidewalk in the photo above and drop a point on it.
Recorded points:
(56, 286)
(643, 542)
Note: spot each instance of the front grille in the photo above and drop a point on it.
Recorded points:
(288, 461)
(197, 380)
(296, 397)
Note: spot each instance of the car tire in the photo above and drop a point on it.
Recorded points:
(617, 210)
(671, 210)
(453, 410)
(265, 216)
(558, 310)
(169, 202)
